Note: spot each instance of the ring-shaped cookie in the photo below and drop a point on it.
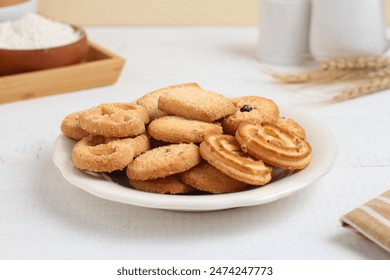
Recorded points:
(274, 145)
(99, 154)
(205, 177)
(115, 120)
(225, 154)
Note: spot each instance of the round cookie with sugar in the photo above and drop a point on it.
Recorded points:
(250, 109)
(167, 185)
(163, 161)
(175, 129)
(196, 104)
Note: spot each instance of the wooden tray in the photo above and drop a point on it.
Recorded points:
(100, 68)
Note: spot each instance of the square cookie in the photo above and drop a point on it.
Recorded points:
(196, 103)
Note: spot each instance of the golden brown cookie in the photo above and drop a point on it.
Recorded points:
(150, 100)
(167, 185)
(250, 109)
(100, 154)
(163, 161)
(175, 129)
(292, 126)
(274, 145)
(140, 144)
(134, 109)
(70, 126)
(206, 177)
(196, 104)
(225, 154)
(115, 120)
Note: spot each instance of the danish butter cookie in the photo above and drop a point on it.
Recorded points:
(206, 177)
(134, 109)
(100, 154)
(274, 145)
(140, 144)
(175, 129)
(250, 109)
(163, 161)
(115, 120)
(225, 154)
(195, 103)
(167, 185)
(150, 100)
(70, 126)
(292, 126)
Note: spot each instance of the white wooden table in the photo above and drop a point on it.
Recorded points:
(42, 216)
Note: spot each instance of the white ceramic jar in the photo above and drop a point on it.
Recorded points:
(341, 28)
(284, 31)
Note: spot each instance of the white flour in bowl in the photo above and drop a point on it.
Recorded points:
(35, 32)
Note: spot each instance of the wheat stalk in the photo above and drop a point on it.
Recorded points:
(362, 62)
(367, 87)
(292, 78)
(320, 76)
(385, 72)
(369, 73)
(312, 76)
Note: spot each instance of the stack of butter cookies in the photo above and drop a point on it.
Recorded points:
(183, 138)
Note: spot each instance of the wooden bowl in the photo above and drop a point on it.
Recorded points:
(20, 61)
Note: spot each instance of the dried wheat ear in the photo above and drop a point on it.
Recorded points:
(364, 75)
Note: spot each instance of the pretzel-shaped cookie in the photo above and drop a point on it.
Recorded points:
(100, 154)
(70, 126)
(115, 120)
(274, 145)
(225, 154)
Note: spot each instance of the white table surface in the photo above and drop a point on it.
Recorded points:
(42, 216)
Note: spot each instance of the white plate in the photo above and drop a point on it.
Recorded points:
(323, 155)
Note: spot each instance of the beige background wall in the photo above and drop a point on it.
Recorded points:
(152, 12)
(156, 12)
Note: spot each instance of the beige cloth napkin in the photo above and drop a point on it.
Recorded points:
(372, 220)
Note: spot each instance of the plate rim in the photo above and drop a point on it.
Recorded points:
(268, 193)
